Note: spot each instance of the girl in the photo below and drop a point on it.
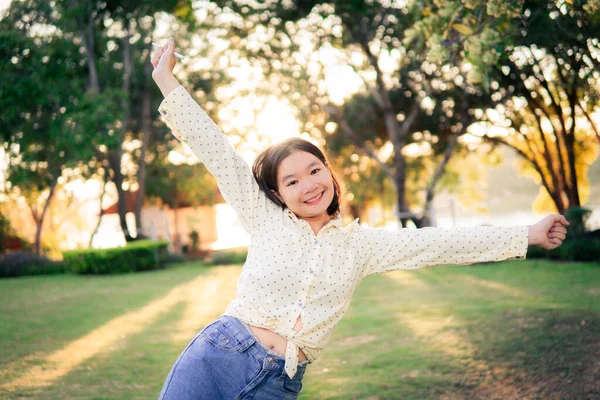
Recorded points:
(302, 265)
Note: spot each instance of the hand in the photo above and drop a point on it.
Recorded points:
(164, 60)
(549, 233)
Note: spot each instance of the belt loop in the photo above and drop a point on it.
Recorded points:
(240, 331)
(246, 344)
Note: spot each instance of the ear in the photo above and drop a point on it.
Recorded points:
(278, 196)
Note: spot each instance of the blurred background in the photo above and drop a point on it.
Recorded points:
(436, 113)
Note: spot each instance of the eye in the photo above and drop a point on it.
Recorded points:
(290, 183)
(314, 171)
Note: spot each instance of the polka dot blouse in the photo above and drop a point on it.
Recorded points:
(292, 272)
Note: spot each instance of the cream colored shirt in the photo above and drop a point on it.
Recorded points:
(292, 272)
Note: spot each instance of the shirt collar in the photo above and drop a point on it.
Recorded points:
(335, 221)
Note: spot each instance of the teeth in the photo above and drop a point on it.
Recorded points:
(314, 198)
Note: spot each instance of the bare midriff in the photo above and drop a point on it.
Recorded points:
(274, 341)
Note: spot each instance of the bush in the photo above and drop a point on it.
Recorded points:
(195, 239)
(140, 255)
(224, 257)
(578, 249)
(9, 240)
(578, 218)
(175, 258)
(20, 263)
(581, 249)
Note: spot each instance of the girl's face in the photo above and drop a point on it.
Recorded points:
(305, 185)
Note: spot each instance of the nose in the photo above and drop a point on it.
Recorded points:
(310, 186)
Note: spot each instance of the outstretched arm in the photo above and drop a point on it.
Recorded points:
(427, 247)
(385, 251)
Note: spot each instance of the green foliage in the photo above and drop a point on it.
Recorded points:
(6, 231)
(136, 256)
(39, 92)
(21, 263)
(195, 238)
(9, 239)
(577, 249)
(581, 249)
(179, 185)
(578, 218)
(229, 256)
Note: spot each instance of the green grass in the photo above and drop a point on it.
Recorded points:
(509, 330)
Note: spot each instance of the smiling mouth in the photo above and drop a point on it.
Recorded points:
(314, 199)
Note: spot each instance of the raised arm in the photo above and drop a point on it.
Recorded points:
(163, 60)
(190, 124)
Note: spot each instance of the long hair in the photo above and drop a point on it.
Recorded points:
(267, 163)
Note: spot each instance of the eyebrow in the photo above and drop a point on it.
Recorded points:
(312, 164)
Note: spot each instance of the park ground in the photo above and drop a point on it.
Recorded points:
(511, 330)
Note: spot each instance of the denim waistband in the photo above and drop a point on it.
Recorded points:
(271, 359)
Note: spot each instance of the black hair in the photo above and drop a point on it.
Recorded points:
(267, 163)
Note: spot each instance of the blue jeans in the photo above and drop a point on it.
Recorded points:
(225, 361)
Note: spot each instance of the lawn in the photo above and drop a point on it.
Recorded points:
(509, 330)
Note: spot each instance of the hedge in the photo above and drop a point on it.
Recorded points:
(140, 255)
(229, 256)
(21, 263)
(579, 249)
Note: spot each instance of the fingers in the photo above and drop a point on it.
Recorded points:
(558, 232)
(561, 220)
(167, 52)
(557, 235)
(156, 54)
(170, 47)
(556, 242)
(558, 229)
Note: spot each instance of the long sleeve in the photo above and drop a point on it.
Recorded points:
(190, 124)
(427, 247)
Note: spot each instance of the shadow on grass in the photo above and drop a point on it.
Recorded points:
(433, 334)
(518, 342)
(545, 354)
(203, 298)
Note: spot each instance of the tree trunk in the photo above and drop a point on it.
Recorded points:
(573, 194)
(90, 42)
(146, 131)
(85, 29)
(114, 158)
(116, 154)
(175, 236)
(396, 133)
(355, 210)
(426, 220)
(404, 214)
(573, 185)
(39, 219)
(104, 182)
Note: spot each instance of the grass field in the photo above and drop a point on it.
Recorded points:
(510, 330)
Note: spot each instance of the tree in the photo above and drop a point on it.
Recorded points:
(179, 184)
(403, 93)
(41, 83)
(116, 38)
(542, 59)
